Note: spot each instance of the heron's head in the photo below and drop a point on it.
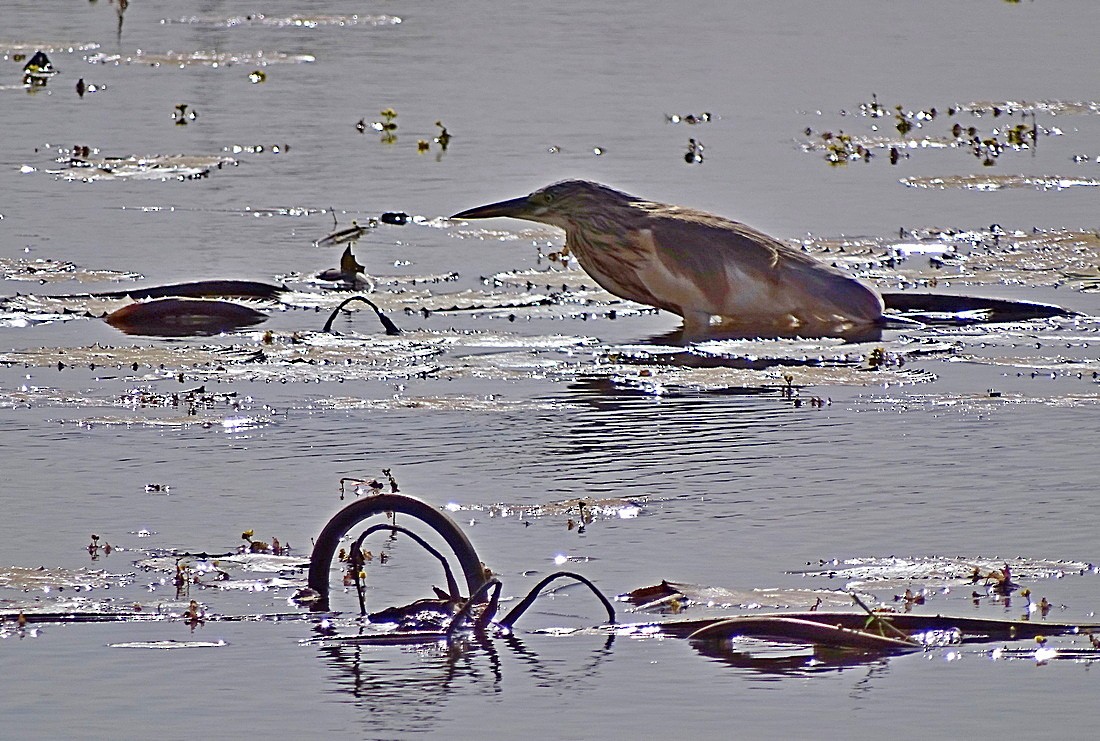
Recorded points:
(568, 204)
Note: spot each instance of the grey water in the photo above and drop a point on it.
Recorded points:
(742, 488)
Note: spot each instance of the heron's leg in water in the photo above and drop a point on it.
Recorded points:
(696, 322)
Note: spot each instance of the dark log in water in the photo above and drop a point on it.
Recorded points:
(197, 289)
(990, 309)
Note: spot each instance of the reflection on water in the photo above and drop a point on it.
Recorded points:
(786, 660)
(404, 691)
(407, 690)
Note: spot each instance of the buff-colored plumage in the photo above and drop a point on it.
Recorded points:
(706, 268)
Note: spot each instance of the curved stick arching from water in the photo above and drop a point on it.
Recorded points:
(529, 600)
(464, 614)
(391, 328)
(328, 541)
(452, 585)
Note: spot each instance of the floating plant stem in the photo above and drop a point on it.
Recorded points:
(529, 600)
(391, 328)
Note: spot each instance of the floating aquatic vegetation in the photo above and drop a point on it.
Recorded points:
(230, 425)
(450, 403)
(816, 631)
(17, 51)
(46, 270)
(1086, 280)
(690, 118)
(294, 20)
(999, 182)
(694, 154)
(895, 572)
(38, 71)
(86, 165)
(82, 87)
(144, 407)
(980, 403)
(387, 126)
(863, 634)
(168, 644)
(578, 512)
(443, 139)
(675, 597)
(182, 116)
(200, 58)
(57, 580)
(911, 125)
(170, 360)
(22, 319)
(1009, 107)
(273, 149)
(928, 257)
(306, 356)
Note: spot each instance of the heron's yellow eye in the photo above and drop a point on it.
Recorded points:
(548, 198)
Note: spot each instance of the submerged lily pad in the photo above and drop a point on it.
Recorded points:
(178, 317)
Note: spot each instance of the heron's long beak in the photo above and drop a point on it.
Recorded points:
(517, 208)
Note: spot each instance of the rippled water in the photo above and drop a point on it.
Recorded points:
(969, 442)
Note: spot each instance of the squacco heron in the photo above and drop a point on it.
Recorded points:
(707, 269)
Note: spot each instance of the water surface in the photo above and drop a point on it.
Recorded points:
(531, 405)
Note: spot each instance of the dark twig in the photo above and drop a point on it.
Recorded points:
(452, 585)
(391, 328)
(529, 600)
(464, 614)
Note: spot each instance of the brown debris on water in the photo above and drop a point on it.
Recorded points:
(87, 165)
(179, 317)
(1015, 128)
